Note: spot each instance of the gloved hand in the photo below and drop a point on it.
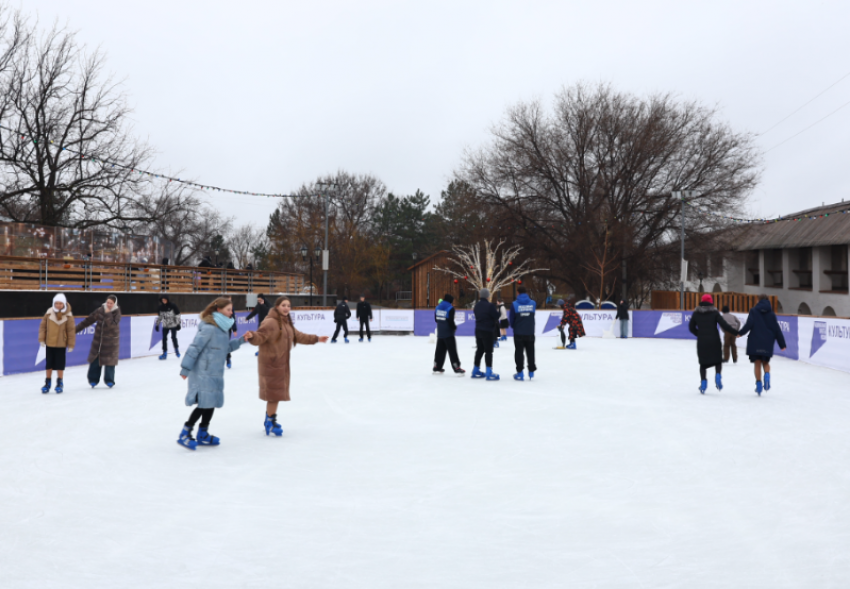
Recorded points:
(178, 327)
(156, 327)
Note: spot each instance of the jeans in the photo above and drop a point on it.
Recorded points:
(94, 372)
(624, 328)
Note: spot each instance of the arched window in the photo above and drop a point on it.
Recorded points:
(804, 309)
(717, 287)
(828, 312)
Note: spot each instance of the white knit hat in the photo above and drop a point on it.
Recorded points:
(60, 298)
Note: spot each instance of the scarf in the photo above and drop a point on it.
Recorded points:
(225, 323)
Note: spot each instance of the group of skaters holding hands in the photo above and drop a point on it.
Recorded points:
(764, 333)
(491, 323)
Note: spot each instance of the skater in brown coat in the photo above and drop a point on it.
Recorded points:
(103, 355)
(276, 337)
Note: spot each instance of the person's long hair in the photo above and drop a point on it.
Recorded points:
(219, 303)
(280, 319)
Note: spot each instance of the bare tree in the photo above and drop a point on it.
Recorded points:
(592, 180)
(66, 153)
(493, 271)
(243, 241)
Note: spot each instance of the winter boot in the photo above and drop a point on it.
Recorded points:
(758, 387)
(476, 373)
(519, 376)
(530, 375)
(60, 386)
(718, 381)
(186, 440)
(48, 384)
(492, 375)
(205, 439)
(229, 365)
(272, 426)
(703, 385)
(767, 381)
(572, 345)
(164, 356)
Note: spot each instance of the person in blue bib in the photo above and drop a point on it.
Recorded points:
(522, 323)
(444, 314)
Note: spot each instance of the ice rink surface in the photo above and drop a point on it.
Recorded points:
(609, 470)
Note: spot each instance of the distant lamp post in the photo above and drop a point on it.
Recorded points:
(316, 255)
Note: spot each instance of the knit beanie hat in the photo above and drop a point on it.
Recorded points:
(706, 298)
(484, 293)
(60, 298)
(449, 298)
(560, 302)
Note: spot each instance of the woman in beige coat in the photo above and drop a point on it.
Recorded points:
(56, 333)
(276, 337)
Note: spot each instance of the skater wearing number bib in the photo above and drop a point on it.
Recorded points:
(203, 366)
(522, 321)
(276, 337)
(444, 315)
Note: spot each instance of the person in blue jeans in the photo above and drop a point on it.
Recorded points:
(623, 317)
(765, 333)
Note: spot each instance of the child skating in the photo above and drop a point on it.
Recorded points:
(169, 319)
(203, 366)
(57, 334)
(572, 319)
(765, 333)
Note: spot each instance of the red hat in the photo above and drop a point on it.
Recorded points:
(706, 298)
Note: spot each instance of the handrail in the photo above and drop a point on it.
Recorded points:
(22, 273)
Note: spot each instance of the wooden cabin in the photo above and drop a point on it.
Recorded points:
(429, 285)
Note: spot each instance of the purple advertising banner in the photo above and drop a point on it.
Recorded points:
(23, 353)
(674, 325)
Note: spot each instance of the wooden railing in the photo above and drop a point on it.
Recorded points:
(737, 302)
(82, 275)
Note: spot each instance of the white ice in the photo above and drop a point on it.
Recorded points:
(608, 470)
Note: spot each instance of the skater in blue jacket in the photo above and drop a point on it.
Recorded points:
(444, 315)
(203, 366)
(764, 333)
(522, 322)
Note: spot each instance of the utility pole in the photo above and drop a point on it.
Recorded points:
(326, 253)
(681, 196)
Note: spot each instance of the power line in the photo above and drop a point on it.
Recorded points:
(809, 127)
(804, 105)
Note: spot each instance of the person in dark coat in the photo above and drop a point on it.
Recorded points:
(364, 314)
(341, 315)
(206, 263)
(105, 344)
(523, 324)
(486, 321)
(444, 315)
(703, 325)
(623, 318)
(573, 319)
(259, 311)
(765, 333)
(169, 318)
(730, 346)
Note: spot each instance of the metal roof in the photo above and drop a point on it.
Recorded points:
(821, 226)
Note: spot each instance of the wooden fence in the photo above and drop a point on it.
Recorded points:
(738, 302)
(18, 273)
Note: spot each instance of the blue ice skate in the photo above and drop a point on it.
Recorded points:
(272, 426)
(370, 340)
(164, 356)
(257, 353)
(229, 365)
(718, 381)
(60, 386)
(758, 387)
(703, 385)
(496, 344)
(205, 439)
(176, 352)
(530, 375)
(492, 375)
(519, 376)
(333, 341)
(110, 384)
(186, 440)
(476, 373)
(93, 384)
(48, 383)
(346, 339)
(767, 381)
(360, 340)
(572, 346)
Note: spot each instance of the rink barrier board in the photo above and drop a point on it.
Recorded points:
(821, 341)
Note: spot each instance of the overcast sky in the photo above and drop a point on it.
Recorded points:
(263, 96)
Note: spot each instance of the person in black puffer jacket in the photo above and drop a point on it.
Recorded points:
(364, 314)
(703, 325)
(765, 333)
(486, 322)
(341, 315)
